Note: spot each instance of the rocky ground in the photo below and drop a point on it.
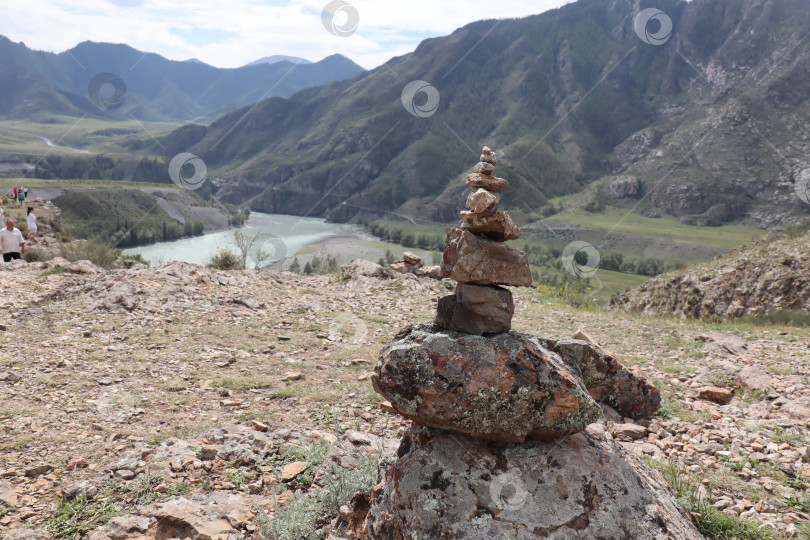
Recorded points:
(210, 398)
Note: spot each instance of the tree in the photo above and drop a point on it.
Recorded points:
(244, 243)
(295, 266)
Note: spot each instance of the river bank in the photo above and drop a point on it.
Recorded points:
(279, 236)
(356, 243)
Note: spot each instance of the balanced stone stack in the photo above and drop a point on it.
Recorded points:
(499, 448)
(477, 258)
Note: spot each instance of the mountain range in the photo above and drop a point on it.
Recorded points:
(118, 82)
(700, 114)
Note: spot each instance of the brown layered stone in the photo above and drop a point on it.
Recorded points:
(469, 258)
(411, 258)
(476, 309)
(486, 181)
(495, 225)
(484, 167)
(504, 387)
(482, 200)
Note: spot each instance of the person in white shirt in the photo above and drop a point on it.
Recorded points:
(11, 241)
(32, 224)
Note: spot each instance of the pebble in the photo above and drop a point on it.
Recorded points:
(292, 470)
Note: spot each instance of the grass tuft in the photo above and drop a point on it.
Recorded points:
(712, 523)
(74, 519)
(244, 383)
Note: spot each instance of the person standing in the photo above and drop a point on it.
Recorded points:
(25, 193)
(11, 242)
(15, 194)
(20, 196)
(32, 224)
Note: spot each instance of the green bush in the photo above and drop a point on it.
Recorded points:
(225, 259)
(94, 251)
(295, 266)
(329, 265)
(131, 260)
(36, 255)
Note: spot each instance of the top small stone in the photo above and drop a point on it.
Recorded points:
(488, 156)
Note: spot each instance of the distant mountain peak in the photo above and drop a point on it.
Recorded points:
(276, 58)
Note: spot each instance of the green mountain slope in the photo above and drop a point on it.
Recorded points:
(709, 127)
(155, 88)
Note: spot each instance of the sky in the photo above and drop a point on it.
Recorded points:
(232, 33)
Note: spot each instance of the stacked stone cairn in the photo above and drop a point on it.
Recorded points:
(477, 258)
(496, 410)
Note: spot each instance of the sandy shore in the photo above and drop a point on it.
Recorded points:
(345, 248)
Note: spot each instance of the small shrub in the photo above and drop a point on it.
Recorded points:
(225, 259)
(797, 230)
(36, 255)
(131, 260)
(94, 251)
(309, 516)
(314, 454)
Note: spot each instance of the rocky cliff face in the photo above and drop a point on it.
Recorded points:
(709, 125)
(761, 278)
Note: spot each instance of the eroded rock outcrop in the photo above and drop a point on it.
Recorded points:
(766, 278)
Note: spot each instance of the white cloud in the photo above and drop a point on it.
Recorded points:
(292, 27)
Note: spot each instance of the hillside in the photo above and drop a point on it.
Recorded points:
(124, 214)
(122, 388)
(710, 127)
(38, 85)
(770, 277)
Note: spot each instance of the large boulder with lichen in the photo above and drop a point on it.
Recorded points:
(625, 389)
(583, 486)
(505, 387)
